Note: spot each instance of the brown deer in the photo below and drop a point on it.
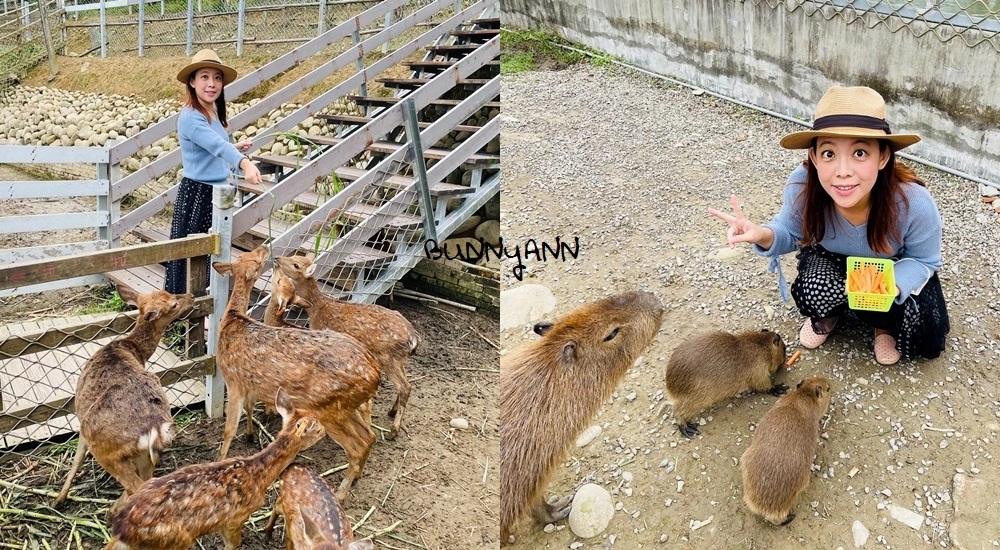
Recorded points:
(313, 517)
(171, 512)
(282, 295)
(386, 333)
(325, 372)
(124, 414)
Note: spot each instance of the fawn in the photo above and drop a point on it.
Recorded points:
(325, 372)
(124, 414)
(282, 295)
(171, 512)
(386, 333)
(313, 517)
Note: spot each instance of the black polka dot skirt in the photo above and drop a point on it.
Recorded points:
(192, 214)
(919, 325)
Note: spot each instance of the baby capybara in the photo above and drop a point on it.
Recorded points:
(777, 465)
(553, 386)
(713, 366)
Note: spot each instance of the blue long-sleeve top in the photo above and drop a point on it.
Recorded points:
(918, 256)
(207, 154)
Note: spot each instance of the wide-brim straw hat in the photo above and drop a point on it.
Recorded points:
(206, 58)
(857, 112)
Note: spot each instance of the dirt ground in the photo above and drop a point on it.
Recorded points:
(893, 435)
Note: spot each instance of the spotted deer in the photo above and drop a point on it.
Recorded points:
(171, 512)
(386, 333)
(313, 517)
(328, 373)
(124, 414)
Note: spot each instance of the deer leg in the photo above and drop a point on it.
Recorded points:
(81, 453)
(269, 528)
(233, 535)
(248, 405)
(396, 371)
(354, 434)
(233, 406)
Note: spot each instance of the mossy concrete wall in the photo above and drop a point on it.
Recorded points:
(783, 60)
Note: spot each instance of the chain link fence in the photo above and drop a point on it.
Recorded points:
(975, 22)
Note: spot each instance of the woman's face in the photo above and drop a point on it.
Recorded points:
(207, 84)
(847, 169)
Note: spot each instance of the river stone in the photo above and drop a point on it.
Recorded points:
(591, 512)
(489, 231)
(525, 304)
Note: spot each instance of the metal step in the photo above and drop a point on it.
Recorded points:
(431, 153)
(437, 65)
(362, 120)
(414, 83)
(374, 100)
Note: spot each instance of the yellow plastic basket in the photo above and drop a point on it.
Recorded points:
(867, 301)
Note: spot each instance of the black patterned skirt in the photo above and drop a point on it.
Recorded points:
(919, 325)
(192, 214)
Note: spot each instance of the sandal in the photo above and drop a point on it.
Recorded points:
(885, 350)
(808, 337)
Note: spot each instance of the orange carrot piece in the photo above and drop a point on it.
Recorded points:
(793, 359)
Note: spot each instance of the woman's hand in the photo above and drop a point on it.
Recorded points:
(244, 145)
(742, 230)
(250, 171)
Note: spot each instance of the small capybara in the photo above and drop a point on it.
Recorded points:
(777, 465)
(551, 387)
(714, 366)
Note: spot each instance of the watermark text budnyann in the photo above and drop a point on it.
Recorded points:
(531, 248)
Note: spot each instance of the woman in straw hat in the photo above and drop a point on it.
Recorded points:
(851, 197)
(207, 153)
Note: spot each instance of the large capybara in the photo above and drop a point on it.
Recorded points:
(713, 366)
(777, 466)
(553, 386)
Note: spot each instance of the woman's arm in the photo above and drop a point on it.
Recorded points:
(920, 255)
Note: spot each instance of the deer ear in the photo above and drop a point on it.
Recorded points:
(128, 295)
(301, 302)
(310, 270)
(310, 256)
(151, 314)
(283, 404)
(223, 268)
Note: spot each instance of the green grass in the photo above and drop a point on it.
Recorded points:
(524, 50)
(106, 300)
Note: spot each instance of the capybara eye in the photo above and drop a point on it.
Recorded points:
(611, 335)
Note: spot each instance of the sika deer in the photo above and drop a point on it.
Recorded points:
(123, 411)
(282, 295)
(171, 512)
(386, 333)
(325, 372)
(313, 517)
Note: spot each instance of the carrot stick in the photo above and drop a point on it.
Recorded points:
(877, 284)
(793, 359)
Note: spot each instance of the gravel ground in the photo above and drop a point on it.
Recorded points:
(630, 165)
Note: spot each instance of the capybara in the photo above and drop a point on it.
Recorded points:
(551, 387)
(777, 465)
(713, 366)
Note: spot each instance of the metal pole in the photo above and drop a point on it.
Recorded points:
(322, 18)
(104, 32)
(190, 26)
(240, 26)
(27, 21)
(142, 23)
(47, 35)
(419, 169)
(356, 35)
(388, 23)
(223, 207)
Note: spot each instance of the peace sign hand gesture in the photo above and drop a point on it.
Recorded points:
(742, 230)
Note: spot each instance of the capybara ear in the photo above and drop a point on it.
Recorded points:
(569, 354)
(819, 392)
(777, 339)
(542, 328)
(799, 385)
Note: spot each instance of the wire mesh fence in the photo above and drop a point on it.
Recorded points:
(975, 22)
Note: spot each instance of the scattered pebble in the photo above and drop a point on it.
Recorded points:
(591, 511)
(459, 423)
(587, 436)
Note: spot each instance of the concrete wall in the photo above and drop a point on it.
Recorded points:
(947, 92)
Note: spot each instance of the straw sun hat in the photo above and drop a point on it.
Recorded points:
(857, 112)
(206, 59)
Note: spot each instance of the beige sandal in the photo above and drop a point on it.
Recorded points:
(885, 350)
(808, 337)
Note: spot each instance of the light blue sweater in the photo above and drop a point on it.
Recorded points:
(918, 256)
(206, 152)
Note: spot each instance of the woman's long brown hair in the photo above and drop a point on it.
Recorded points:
(884, 211)
(220, 104)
